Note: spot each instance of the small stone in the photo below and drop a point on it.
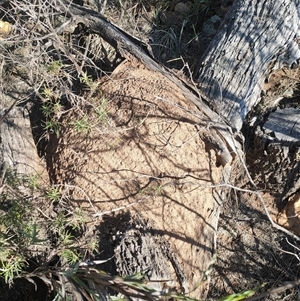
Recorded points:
(5, 28)
(211, 26)
(181, 8)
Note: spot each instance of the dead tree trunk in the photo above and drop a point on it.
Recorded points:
(256, 38)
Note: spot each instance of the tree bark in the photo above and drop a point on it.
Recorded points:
(279, 140)
(256, 37)
(17, 148)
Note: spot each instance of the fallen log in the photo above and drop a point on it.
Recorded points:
(256, 38)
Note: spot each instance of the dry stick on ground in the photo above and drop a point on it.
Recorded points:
(290, 253)
(6, 112)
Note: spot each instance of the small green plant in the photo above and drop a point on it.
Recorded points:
(33, 181)
(60, 222)
(52, 126)
(47, 109)
(11, 266)
(92, 245)
(101, 111)
(55, 67)
(53, 194)
(51, 110)
(159, 190)
(65, 238)
(82, 125)
(88, 81)
(153, 190)
(17, 230)
(70, 256)
(79, 219)
(11, 178)
(48, 93)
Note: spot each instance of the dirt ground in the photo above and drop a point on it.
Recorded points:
(148, 157)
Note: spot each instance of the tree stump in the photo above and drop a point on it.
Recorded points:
(256, 37)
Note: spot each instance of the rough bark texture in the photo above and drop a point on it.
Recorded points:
(279, 138)
(256, 37)
(17, 147)
(277, 152)
(135, 246)
(141, 250)
(283, 126)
